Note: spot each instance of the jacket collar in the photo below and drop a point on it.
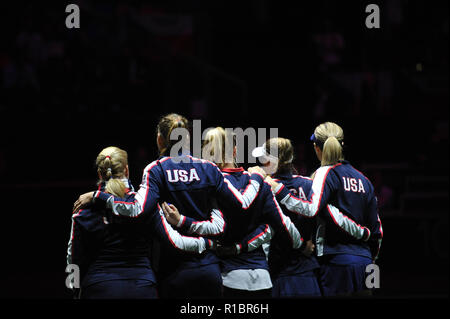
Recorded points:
(283, 175)
(233, 170)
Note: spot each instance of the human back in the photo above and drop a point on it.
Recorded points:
(112, 251)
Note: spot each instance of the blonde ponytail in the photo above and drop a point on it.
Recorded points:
(332, 151)
(330, 138)
(111, 164)
(116, 187)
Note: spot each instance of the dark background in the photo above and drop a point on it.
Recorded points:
(65, 94)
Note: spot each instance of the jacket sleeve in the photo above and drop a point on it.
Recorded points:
(226, 192)
(145, 199)
(75, 251)
(261, 235)
(346, 224)
(76, 254)
(375, 226)
(215, 226)
(164, 232)
(281, 224)
(319, 195)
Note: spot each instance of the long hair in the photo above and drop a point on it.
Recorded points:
(165, 127)
(218, 147)
(285, 153)
(330, 137)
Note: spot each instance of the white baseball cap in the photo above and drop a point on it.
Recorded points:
(259, 151)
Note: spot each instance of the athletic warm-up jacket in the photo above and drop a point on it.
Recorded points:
(282, 259)
(108, 247)
(353, 195)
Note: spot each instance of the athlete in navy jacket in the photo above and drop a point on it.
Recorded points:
(294, 272)
(113, 251)
(265, 213)
(337, 182)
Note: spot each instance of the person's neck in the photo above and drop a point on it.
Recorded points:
(228, 165)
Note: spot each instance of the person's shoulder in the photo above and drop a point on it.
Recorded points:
(363, 176)
(156, 164)
(325, 170)
(266, 188)
(150, 166)
(85, 215)
(301, 178)
(205, 162)
(81, 213)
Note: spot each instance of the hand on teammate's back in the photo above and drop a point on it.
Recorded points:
(171, 213)
(271, 182)
(82, 201)
(258, 170)
(309, 248)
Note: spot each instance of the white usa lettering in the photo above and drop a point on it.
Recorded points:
(351, 184)
(181, 175)
(301, 193)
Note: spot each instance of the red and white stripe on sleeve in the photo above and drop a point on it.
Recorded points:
(213, 227)
(185, 243)
(304, 207)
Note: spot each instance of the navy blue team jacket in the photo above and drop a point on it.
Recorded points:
(107, 249)
(247, 228)
(106, 246)
(284, 260)
(353, 194)
(192, 185)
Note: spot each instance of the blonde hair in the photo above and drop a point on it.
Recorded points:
(216, 147)
(111, 164)
(331, 140)
(285, 152)
(166, 125)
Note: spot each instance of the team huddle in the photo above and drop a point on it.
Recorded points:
(206, 228)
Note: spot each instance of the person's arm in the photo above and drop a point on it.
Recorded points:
(76, 254)
(281, 224)
(215, 226)
(75, 251)
(226, 192)
(375, 226)
(165, 232)
(346, 224)
(318, 198)
(145, 199)
(319, 195)
(261, 235)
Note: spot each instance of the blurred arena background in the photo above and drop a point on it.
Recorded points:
(67, 93)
